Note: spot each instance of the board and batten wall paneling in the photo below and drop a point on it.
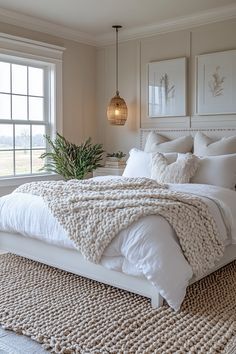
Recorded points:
(162, 47)
(208, 39)
(133, 71)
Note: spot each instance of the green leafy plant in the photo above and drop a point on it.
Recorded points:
(72, 161)
(119, 155)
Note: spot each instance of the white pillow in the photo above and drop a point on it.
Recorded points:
(139, 163)
(159, 143)
(217, 170)
(179, 171)
(205, 146)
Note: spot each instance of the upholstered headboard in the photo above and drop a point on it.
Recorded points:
(175, 133)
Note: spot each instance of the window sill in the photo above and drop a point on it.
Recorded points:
(17, 181)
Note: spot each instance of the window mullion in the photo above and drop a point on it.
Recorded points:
(27, 93)
(14, 151)
(47, 105)
(31, 157)
(11, 89)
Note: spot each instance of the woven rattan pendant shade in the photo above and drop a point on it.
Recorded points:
(117, 110)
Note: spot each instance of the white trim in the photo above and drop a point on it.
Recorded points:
(58, 99)
(166, 122)
(218, 14)
(38, 51)
(19, 46)
(139, 84)
(176, 24)
(43, 53)
(52, 50)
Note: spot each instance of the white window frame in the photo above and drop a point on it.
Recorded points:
(32, 52)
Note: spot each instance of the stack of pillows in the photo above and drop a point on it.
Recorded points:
(172, 161)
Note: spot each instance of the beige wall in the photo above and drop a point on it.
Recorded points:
(133, 60)
(118, 137)
(79, 64)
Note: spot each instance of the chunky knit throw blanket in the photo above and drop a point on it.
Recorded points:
(94, 212)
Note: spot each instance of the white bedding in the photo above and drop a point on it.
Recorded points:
(148, 247)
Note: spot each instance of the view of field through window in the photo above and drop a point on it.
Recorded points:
(25, 137)
(22, 119)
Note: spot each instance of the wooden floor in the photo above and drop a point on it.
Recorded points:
(12, 343)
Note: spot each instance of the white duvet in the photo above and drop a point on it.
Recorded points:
(148, 247)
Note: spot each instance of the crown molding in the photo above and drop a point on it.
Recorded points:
(13, 45)
(219, 14)
(14, 40)
(36, 24)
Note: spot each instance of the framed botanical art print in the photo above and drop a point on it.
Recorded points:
(167, 88)
(216, 83)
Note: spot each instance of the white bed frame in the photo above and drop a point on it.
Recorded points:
(72, 261)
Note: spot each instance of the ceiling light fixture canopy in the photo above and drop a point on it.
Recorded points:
(117, 111)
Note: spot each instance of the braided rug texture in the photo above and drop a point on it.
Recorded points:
(94, 212)
(71, 314)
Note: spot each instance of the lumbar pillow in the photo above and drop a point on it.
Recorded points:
(217, 170)
(179, 171)
(205, 146)
(139, 163)
(159, 143)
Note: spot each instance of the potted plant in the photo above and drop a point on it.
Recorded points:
(72, 161)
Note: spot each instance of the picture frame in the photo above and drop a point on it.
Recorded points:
(167, 88)
(216, 83)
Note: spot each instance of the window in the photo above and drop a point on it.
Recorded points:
(29, 107)
(24, 118)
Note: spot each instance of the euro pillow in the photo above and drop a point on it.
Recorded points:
(139, 163)
(180, 171)
(217, 170)
(205, 146)
(159, 143)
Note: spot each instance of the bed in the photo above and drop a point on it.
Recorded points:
(64, 256)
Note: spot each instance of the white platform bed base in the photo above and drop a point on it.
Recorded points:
(72, 261)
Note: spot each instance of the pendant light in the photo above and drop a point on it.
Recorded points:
(117, 110)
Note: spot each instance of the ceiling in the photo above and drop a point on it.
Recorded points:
(92, 19)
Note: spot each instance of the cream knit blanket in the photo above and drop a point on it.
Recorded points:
(93, 212)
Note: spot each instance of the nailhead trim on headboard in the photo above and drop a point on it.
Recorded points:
(217, 132)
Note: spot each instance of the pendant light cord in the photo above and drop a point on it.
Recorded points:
(117, 91)
(117, 27)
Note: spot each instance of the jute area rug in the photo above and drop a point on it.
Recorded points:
(70, 314)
